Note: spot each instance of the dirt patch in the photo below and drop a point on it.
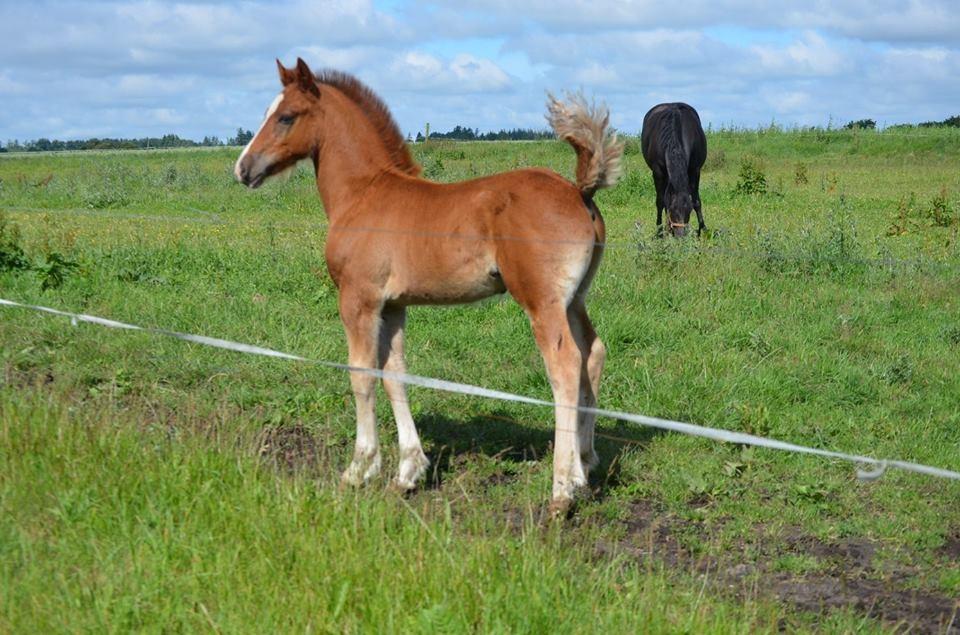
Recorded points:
(844, 581)
(21, 379)
(851, 554)
(651, 533)
(951, 548)
(919, 610)
(291, 448)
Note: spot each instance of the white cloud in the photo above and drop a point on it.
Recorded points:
(919, 21)
(811, 55)
(415, 71)
(788, 102)
(596, 74)
(201, 67)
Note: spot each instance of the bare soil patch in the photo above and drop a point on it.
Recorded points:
(845, 580)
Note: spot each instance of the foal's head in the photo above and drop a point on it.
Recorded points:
(289, 129)
(679, 206)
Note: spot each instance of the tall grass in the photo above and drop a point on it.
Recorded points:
(148, 484)
(110, 528)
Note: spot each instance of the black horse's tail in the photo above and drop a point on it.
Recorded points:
(585, 126)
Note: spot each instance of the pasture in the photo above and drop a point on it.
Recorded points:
(150, 484)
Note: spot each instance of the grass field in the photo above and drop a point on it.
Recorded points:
(149, 484)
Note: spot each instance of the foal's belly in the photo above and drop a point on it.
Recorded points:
(451, 292)
(465, 282)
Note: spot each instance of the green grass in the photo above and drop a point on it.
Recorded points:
(110, 528)
(150, 484)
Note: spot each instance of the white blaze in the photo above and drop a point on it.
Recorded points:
(272, 109)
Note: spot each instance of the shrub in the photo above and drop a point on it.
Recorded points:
(54, 271)
(433, 169)
(751, 180)
(902, 222)
(941, 213)
(12, 257)
(800, 174)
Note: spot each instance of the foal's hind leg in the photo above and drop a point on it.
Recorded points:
(563, 359)
(361, 321)
(594, 355)
(413, 462)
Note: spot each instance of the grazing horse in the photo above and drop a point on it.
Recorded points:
(675, 148)
(396, 239)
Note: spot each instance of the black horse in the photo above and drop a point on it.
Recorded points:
(675, 148)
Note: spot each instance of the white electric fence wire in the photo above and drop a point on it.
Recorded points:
(879, 465)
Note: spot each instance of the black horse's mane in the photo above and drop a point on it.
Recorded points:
(674, 154)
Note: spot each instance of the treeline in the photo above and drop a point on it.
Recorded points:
(243, 137)
(462, 133)
(870, 124)
(949, 122)
(145, 143)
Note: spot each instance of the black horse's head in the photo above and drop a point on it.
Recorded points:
(679, 206)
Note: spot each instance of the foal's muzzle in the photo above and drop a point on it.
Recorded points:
(249, 170)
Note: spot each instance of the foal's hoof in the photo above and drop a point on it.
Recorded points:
(413, 465)
(589, 460)
(396, 488)
(560, 509)
(360, 471)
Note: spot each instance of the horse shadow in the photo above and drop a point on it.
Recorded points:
(498, 436)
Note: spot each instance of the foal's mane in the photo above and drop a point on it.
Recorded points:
(377, 113)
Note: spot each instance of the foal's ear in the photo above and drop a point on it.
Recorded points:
(306, 78)
(287, 76)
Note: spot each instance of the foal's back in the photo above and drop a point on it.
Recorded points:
(440, 243)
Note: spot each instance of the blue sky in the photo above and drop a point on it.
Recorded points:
(203, 67)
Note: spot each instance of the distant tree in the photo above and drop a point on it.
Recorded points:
(949, 122)
(166, 141)
(862, 124)
(464, 133)
(243, 138)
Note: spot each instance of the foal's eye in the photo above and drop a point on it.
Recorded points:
(286, 119)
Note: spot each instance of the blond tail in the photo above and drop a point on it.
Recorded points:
(585, 126)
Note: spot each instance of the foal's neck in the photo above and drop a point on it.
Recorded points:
(351, 155)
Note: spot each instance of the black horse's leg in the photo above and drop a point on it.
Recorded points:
(697, 205)
(660, 183)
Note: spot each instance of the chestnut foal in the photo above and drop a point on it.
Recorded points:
(396, 240)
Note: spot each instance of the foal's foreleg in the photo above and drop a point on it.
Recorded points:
(361, 321)
(413, 462)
